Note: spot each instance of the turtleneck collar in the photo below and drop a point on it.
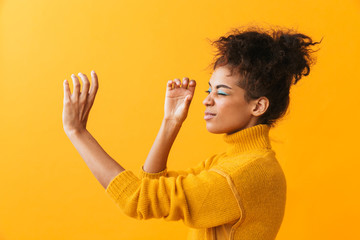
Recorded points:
(255, 137)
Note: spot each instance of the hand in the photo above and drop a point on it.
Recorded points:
(178, 99)
(77, 106)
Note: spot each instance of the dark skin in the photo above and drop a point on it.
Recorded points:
(76, 110)
(230, 112)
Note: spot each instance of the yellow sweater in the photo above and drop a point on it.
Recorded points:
(237, 194)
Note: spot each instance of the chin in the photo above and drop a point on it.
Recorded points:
(215, 130)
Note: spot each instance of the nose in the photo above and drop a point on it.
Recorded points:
(208, 101)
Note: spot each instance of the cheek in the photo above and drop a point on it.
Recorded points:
(233, 111)
(229, 106)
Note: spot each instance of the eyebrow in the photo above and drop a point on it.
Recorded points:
(221, 85)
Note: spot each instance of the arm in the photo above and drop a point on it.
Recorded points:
(75, 114)
(177, 101)
(99, 162)
(76, 111)
(157, 158)
(203, 165)
(201, 201)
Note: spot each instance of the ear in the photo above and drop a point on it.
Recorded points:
(260, 106)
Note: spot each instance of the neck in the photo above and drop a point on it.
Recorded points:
(248, 139)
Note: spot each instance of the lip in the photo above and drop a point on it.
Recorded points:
(209, 115)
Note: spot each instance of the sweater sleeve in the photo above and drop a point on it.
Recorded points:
(204, 165)
(201, 201)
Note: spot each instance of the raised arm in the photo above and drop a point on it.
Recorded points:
(76, 111)
(177, 101)
(75, 114)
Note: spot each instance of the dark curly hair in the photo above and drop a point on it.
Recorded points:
(267, 62)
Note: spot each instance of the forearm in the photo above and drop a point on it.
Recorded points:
(158, 155)
(100, 163)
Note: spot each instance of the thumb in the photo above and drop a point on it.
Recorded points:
(187, 101)
(67, 92)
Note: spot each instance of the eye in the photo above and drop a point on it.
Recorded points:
(222, 93)
(208, 91)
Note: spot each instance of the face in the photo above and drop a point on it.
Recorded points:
(226, 108)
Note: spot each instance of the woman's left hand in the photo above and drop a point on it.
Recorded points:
(178, 99)
(77, 105)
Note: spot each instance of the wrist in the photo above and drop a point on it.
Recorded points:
(74, 132)
(171, 124)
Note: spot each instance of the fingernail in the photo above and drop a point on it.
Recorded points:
(72, 75)
(79, 73)
(92, 72)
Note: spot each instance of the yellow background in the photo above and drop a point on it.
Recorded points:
(46, 189)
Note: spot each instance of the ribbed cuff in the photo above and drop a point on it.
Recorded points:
(144, 174)
(124, 184)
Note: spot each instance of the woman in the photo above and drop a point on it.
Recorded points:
(237, 194)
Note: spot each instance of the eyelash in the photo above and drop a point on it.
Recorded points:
(221, 93)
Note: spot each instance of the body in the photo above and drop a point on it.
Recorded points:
(239, 193)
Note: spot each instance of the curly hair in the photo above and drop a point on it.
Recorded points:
(267, 62)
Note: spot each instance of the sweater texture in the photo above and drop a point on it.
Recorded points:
(239, 194)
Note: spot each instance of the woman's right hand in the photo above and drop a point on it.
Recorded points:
(77, 106)
(178, 99)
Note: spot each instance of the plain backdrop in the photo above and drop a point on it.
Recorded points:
(46, 189)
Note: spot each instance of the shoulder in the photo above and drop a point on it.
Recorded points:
(257, 174)
(214, 160)
(256, 164)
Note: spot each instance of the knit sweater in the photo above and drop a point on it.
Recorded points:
(237, 194)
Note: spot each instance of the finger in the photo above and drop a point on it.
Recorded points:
(187, 102)
(192, 85)
(76, 84)
(67, 92)
(85, 86)
(94, 85)
(188, 98)
(185, 82)
(169, 85)
(91, 97)
(177, 82)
